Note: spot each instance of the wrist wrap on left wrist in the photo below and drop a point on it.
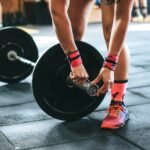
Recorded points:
(111, 62)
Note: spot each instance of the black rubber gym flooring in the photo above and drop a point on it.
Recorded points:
(23, 125)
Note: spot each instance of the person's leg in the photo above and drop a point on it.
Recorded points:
(144, 8)
(79, 11)
(137, 16)
(121, 71)
(107, 21)
(137, 8)
(143, 3)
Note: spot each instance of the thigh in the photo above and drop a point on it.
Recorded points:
(107, 20)
(123, 9)
(59, 5)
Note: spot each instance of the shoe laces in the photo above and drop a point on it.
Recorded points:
(114, 110)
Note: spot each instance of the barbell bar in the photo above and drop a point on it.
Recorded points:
(12, 56)
(49, 86)
(16, 46)
(86, 86)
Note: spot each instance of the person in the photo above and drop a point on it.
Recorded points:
(1, 15)
(70, 20)
(140, 13)
(115, 23)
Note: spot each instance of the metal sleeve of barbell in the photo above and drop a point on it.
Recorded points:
(26, 61)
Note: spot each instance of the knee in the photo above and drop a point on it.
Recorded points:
(78, 31)
(79, 25)
(57, 10)
(123, 16)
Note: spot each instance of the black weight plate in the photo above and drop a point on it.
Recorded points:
(14, 39)
(49, 83)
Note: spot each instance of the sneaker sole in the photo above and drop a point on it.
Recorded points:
(116, 127)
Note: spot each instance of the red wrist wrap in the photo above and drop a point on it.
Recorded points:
(75, 59)
(110, 62)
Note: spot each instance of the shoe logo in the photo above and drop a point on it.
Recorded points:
(115, 95)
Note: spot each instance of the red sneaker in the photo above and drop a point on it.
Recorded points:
(116, 117)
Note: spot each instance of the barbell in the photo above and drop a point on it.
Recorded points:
(18, 54)
(15, 42)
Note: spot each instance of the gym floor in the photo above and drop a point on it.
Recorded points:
(24, 126)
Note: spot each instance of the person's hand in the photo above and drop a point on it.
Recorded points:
(108, 78)
(78, 74)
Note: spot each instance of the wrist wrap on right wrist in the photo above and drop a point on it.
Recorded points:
(75, 58)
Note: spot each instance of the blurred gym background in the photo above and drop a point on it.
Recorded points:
(36, 12)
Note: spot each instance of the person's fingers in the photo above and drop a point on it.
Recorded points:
(103, 89)
(86, 74)
(74, 77)
(110, 85)
(79, 82)
(80, 76)
(97, 79)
